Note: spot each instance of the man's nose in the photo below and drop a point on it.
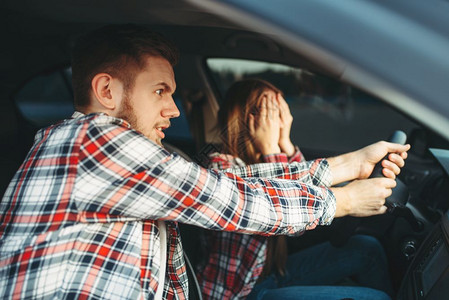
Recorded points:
(171, 110)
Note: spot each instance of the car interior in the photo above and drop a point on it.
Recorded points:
(331, 116)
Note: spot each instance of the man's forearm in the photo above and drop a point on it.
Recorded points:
(343, 167)
(314, 172)
(343, 207)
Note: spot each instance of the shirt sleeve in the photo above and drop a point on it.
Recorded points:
(275, 157)
(315, 172)
(122, 175)
(282, 157)
(297, 156)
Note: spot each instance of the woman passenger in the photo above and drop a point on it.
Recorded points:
(255, 123)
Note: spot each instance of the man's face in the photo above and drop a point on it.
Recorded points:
(149, 105)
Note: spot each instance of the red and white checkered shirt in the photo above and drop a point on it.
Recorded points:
(79, 218)
(235, 261)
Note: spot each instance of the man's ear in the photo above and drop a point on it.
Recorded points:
(102, 90)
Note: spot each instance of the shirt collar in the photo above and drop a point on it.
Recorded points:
(78, 115)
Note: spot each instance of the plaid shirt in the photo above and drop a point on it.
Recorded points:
(235, 261)
(79, 218)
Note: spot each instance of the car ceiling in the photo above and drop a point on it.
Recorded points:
(116, 11)
(37, 34)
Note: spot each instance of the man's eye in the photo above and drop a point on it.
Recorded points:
(159, 92)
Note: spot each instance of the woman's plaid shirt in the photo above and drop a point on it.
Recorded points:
(78, 219)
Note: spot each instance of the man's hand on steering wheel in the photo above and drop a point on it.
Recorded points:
(363, 198)
(372, 154)
(360, 164)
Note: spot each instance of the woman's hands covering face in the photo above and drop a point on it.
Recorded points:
(286, 120)
(264, 125)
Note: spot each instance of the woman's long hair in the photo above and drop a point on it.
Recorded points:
(242, 99)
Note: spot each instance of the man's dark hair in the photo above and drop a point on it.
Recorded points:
(119, 50)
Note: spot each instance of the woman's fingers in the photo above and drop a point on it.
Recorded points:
(284, 111)
(263, 108)
(264, 125)
(272, 108)
(283, 106)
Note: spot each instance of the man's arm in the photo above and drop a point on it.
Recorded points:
(359, 164)
(366, 197)
(346, 167)
(315, 172)
(360, 198)
(363, 198)
(124, 176)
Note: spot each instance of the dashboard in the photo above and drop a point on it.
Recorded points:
(428, 274)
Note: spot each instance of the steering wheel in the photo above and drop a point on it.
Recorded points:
(344, 228)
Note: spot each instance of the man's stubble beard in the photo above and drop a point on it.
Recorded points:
(127, 113)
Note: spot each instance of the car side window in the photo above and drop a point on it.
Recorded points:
(329, 116)
(46, 98)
